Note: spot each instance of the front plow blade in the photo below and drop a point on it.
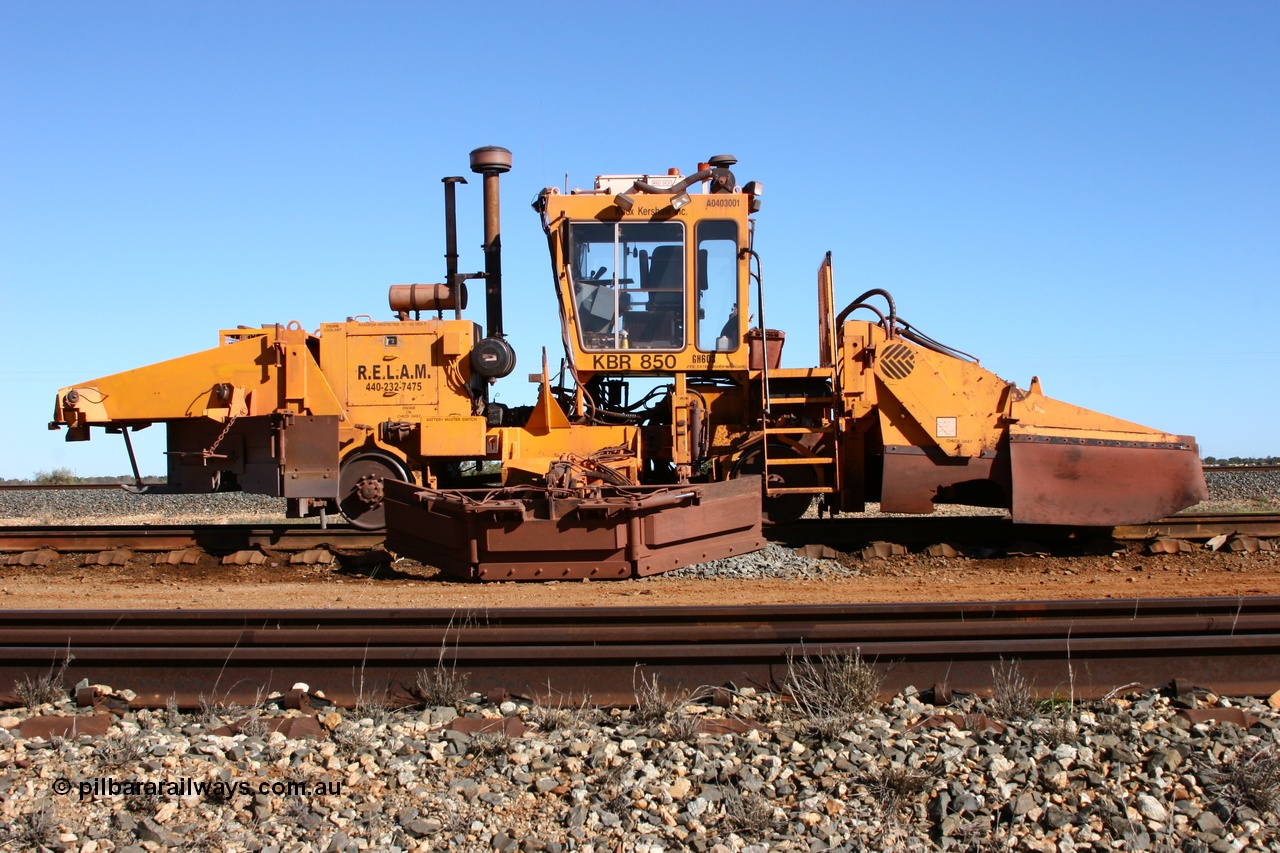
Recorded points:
(529, 533)
(1100, 482)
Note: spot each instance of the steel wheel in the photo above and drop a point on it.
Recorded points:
(360, 487)
(781, 509)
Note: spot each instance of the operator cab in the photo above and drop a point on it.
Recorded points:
(652, 274)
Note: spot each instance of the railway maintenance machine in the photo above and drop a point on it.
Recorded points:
(670, 432)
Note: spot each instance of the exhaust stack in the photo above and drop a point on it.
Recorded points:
(493, 357)
(491, 161)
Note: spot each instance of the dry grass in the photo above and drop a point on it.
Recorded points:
(441, 685)
(352, 741)
(832, 693)
(894, 786)
(254, 726)
(683, 727)
(1252, 779)
(45, 689)
(490, 746)
(39, 827)
(122, 750)
(656, 708)
(653, 703)
(561, 716)
(750, 815)
(1011, 697)
(375, 708)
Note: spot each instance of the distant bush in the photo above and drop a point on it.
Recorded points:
(56, 477)
(66, 477)
(1242, 460)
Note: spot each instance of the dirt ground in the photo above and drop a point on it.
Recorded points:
(368, 583)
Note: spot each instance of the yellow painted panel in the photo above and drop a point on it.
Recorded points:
(453, 437)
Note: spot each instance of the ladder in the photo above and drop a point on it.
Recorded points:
(826, 466)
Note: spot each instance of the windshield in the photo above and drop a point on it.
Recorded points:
(629, 284)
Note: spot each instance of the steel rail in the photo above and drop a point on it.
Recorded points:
(1081, 648)
(846, 533)
(214, 538)
(68, 487)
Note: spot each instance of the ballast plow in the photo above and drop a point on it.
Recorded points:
(671, 431)
(525, 533)
(952, 431)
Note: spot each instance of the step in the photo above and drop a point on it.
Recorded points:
(807, 460)
(800, 401)
(830, 428)
(808, 490)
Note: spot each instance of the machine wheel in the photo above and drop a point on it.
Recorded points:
(360, 487)
(782, 509)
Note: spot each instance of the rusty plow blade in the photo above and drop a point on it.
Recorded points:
(1102, 482)
(531, 533)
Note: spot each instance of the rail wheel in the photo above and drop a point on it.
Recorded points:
(780, 509)
(360, 487)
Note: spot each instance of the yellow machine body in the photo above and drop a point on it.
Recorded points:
(324, 417)
(654, 284)
(659, 290)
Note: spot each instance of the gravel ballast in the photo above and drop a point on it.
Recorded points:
(1257, 490)
(1141, 771)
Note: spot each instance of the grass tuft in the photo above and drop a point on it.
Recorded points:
(122, 750)
(654, 705)
(441, 685)
(750, 815)
(560, 717)
(46, 689)
(1253, 780)
(833, 692)
(1011, 692)
(894, 786)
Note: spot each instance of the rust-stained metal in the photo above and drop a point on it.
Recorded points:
(42, 557)
(1060, 480)
(512, 727)
(1235, 716)
(114, 557)
(1230, 646)
(213, 538)
(311, 557)
(39, 546)
(883, 549)
(532, 533)
(180, 557)
(1202, 526)
(47, 727)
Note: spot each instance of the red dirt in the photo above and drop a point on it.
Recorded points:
(66, 584)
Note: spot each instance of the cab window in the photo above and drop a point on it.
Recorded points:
(719, 323)
(629, 284)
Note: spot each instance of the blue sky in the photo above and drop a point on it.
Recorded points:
(1089, 192)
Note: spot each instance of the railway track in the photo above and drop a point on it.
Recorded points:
(840, 533)
(1080, 648)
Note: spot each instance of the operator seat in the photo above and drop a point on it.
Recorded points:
(661, 324)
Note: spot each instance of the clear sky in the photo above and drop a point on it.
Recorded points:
(1086, 191)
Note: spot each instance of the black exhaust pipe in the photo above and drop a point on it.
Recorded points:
(452, 281)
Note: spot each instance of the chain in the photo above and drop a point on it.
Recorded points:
(226, 429)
